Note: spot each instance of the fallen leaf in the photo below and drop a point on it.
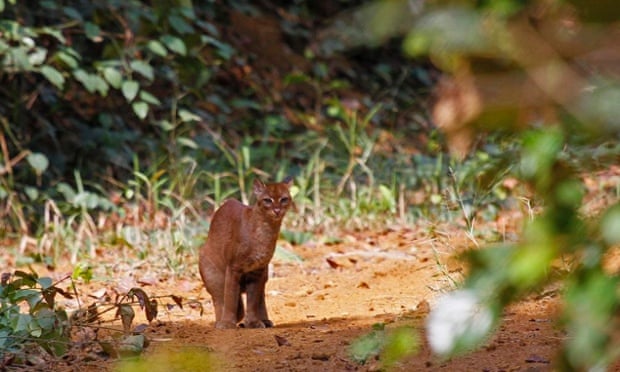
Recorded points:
(177, 300)
(333, 264)
(363, 285)
(99, 294)
(149, 279)
(282, 341)
(140, 328)
(126, 313)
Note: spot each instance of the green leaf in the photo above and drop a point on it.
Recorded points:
(32, 193)
(83, 272)
(187, 142)
(157, 48)
(165, 125)
(296, 78)
(37, 57)
(57, 34)
(34, 329)
(53, 76)
(22, 322)
(132, 345)
(610, 225)
(143, 68)
(367, 346)
(149, 98)
(38, 162)
(224, 50)
(18, 59)
(45, 282)
(69, 57)
(1, 5)
(186, 116)
(284, 255)
(46, 319)
(93, 32)
(130, 89)
(113, 76)
(174, 44)
(72, 13)
(399, 344)
(180, 25)
(296, 237)
(140, 108)
(100, 85)
(89, 81)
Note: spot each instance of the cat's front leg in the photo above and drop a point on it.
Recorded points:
(231, 300)
(257, 310)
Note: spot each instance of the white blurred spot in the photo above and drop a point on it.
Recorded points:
(458, 320)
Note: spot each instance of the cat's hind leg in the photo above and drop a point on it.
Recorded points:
(257, 310)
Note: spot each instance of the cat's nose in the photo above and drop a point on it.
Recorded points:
(276, 211)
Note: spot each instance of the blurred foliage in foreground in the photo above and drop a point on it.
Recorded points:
(546, 71)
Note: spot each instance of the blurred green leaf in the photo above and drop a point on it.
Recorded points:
(187, 142)
(174, 44)
(143, 68)
(180, 25)
(399, 344)
(72, 13)
(113, 76)
(157, 48)
(93, 32)
(45, 282)
(366, 347)
(82, 271)
(610, 225)
(93, 83)
(38, 162)
(188, 116)
(46, 319)
(141, 109)
(130, 89)
(284, 255)
(53, 76)
(149, 98)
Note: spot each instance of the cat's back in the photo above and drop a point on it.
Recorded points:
(227, 218)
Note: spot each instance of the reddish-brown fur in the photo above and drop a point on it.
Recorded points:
(236, 255)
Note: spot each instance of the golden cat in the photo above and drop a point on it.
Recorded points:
(236, 255)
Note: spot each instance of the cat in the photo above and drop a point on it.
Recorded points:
(235, 257)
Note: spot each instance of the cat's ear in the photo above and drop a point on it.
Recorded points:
(288, 181)
(259, 186)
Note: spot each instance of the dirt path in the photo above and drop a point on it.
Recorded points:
(321, 304)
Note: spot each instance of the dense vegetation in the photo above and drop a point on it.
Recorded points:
(126, 122)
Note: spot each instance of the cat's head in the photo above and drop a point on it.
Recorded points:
(273, 199)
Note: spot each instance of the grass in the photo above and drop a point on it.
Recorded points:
(344, 179)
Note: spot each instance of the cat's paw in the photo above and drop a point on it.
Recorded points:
(259, 324)
(255, 324)
(225, 325)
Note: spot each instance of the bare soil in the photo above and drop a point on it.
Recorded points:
(323, 303)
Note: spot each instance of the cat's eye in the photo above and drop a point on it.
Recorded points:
(284, 200)
(268, 201)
